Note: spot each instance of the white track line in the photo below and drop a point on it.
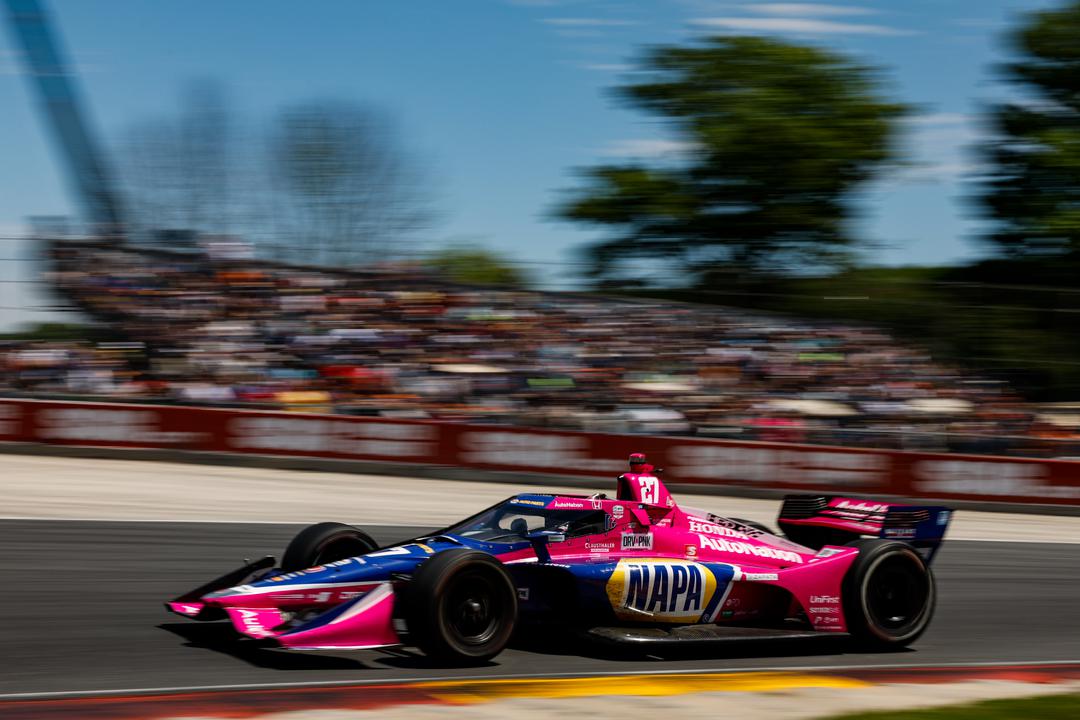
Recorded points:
(218, 521)
(1055, 541)
(517, 676)
(184, 521)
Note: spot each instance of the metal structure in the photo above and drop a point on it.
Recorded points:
(59, 99)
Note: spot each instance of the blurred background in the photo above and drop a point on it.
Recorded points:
(854, 224)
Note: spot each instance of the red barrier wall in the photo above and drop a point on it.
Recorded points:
(685, 460)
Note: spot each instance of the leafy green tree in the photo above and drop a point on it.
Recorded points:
(778, 138)
(1032, 188)
(474, 265)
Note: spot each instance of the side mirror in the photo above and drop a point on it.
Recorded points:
(545, 536)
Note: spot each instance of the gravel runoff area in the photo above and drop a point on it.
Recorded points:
(75, 488)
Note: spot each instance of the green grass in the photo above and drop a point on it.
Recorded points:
(51, 331)
(1051, 707)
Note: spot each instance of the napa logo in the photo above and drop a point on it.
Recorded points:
(662, 590)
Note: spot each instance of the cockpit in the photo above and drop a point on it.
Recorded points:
(512, 520)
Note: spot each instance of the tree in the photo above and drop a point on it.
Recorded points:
(327, 183)
(349, 192)
(1032, 187)
(779, 137)
(180, 173)
(474, 265)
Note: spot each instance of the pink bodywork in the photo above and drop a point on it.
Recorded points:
(191, 609)
(366, 623)
(813, 579)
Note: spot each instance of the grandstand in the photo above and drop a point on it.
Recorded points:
(397, 341)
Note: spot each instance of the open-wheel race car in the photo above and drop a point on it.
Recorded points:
(637, 568)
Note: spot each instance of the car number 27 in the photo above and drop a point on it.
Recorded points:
(650, 488)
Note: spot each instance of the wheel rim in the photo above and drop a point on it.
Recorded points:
(472, 609)
(897, 594)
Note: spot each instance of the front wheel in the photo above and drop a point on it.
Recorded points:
(323, 543)
(460, 607)
(888, 594)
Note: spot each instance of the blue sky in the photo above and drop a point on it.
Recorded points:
(505, 97)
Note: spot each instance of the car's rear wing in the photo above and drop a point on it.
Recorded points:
(819, 520)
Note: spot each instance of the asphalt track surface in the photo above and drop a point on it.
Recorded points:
(81, 604)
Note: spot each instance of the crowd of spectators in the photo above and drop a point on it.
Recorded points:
(397, 342)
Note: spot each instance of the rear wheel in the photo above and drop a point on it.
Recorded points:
(756, 525)
(888, 594)
(460, 607)
(323, 543)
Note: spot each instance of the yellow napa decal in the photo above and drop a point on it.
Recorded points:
(660, 590)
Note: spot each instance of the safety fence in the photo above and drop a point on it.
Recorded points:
(785, 466)
(934, 438)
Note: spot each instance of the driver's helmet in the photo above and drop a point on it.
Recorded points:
(639, 465)
(557, 525)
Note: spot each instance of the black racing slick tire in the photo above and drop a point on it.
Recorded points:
(460, 607)
(323, 543)
(756, 525)
(888, 594)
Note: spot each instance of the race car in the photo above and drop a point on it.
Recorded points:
(637, 568)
